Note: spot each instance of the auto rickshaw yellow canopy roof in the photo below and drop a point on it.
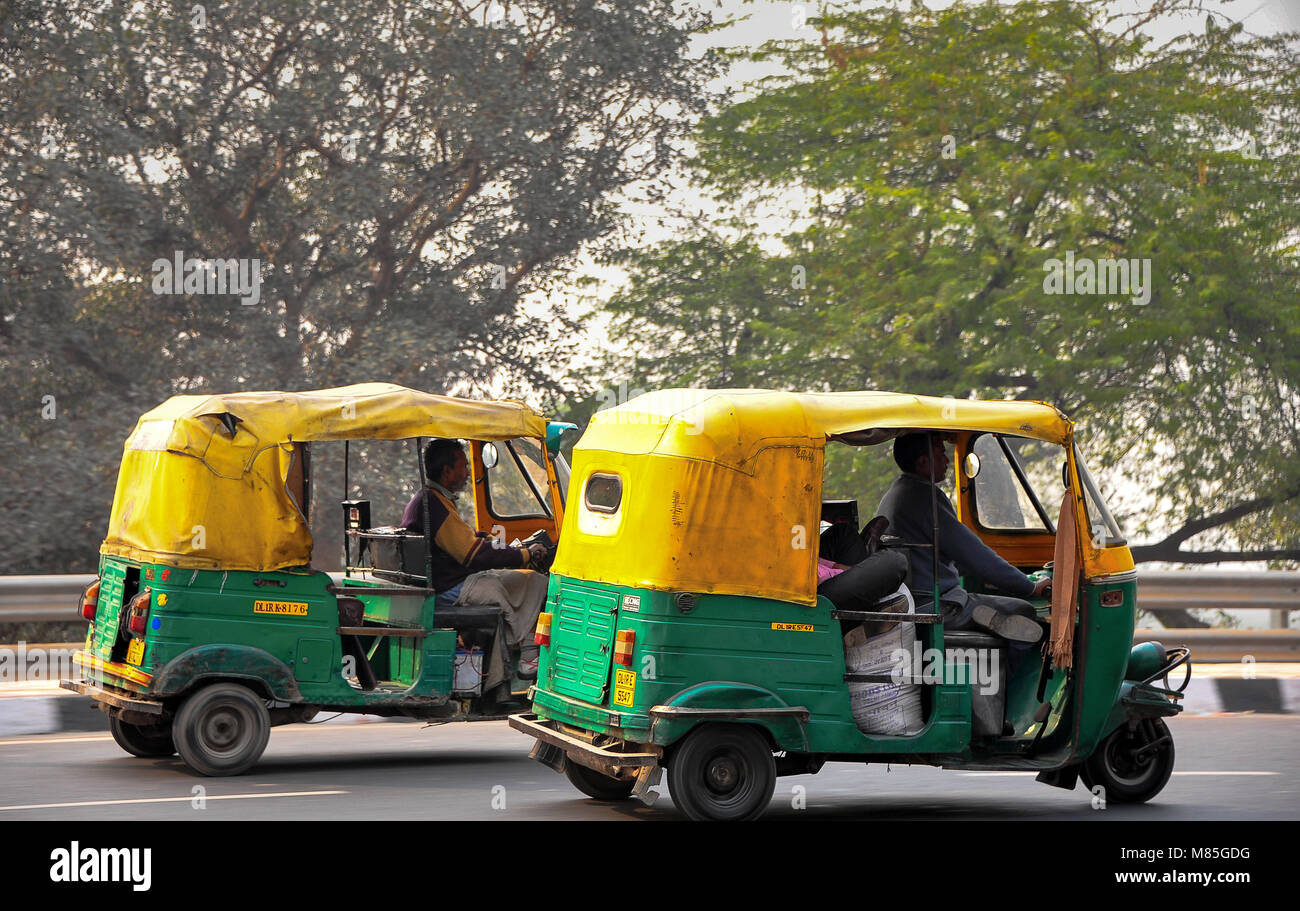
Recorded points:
(729, 425)
(204, 481)
(721, 489)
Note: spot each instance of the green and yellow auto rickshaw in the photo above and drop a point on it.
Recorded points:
(683, 628)
(208, 622)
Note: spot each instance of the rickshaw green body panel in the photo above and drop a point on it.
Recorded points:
(276, 630)
(753, 661)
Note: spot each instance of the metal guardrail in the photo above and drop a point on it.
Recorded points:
(27, 599)
(41, 599)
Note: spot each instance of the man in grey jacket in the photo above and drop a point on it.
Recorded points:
(907, 505)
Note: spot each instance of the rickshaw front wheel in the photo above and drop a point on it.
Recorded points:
(222, 730)
(1127, 766)
(594, 784)
(722, 772)
(147, 743)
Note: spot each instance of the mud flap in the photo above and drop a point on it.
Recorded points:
(1064, 777)
(646, 778)
(548, 755)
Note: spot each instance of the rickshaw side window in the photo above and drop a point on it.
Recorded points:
(603, 493)
(1004, 499)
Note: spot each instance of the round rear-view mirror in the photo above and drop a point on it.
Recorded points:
(489, 455)
(972, 465)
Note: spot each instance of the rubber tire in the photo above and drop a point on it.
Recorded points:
(147, 743)
(1107, 766)
(597, 785)
(741, 753)
(222, 730)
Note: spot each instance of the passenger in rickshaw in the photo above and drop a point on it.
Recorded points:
(907, 505)
(469, 568)
(852, 571)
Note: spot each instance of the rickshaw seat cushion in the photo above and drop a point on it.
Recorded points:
(969, 638)
(468, 616)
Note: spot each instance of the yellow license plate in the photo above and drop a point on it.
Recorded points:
(624, 687)
(284, 608)
(135, 652)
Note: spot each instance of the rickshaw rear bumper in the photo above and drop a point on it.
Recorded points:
(115, 703)
(575, 749)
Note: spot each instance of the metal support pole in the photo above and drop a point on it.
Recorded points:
(934, 522)
(424, 505)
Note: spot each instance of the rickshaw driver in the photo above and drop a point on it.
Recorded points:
(468, 568)
(907, 505)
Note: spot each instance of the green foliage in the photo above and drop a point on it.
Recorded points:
(938, 160)
(405, 174)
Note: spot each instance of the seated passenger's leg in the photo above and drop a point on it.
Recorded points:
(842, 544)
(861, 586)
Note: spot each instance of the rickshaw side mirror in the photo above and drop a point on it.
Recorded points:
(490, 455)
(1065, 474)
(971, 465)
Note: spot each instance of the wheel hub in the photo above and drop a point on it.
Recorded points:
(222, 729)
(722, 774)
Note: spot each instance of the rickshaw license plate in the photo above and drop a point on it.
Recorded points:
(135, 652)
(289, 608)
(624, 687)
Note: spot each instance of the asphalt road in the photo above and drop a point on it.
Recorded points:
(1230, 767)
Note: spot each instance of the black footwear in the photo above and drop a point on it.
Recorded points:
(1009, 626)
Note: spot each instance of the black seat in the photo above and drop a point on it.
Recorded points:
(972, 638)
(467, 616)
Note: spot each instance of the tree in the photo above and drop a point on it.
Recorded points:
(951, 173)
(394, 177)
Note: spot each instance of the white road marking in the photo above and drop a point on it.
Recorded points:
(187, 799)
(97, 737)
(1227, 773)
(998, 774)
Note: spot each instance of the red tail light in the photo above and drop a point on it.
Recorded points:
(138, 613)
(543, 634)
(90, 600)
(623, 643)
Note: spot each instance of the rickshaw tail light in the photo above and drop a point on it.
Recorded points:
(543, 634)
(623, 643)
(139, 613)
(90, 600)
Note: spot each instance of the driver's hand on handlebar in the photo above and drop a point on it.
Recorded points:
(1042, 587)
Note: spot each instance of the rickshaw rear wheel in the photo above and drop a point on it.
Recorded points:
(222, 730)
(722, 772)
(597, 785)
(146, 742)
(1130, 778)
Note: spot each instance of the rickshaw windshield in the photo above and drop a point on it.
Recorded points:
(1008, 476)
(1102, 527)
